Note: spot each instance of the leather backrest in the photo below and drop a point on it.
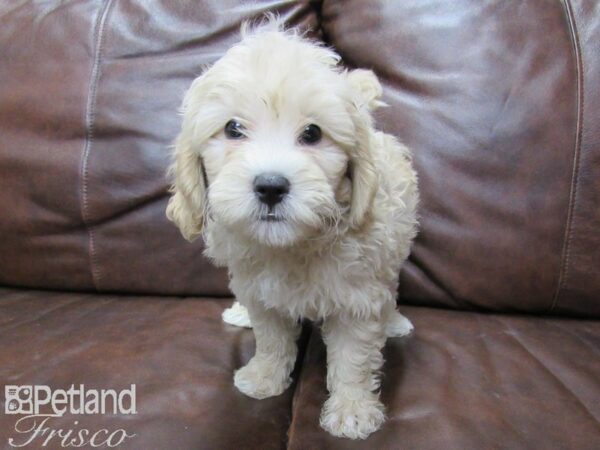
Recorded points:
(500, 103)
(89, 99)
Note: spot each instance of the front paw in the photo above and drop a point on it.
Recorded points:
(352, 418)
(261, 378)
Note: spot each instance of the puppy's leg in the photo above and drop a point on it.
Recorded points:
(268, 372)
(354, 358)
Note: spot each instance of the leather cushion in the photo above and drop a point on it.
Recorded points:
(466, 380)
(178, 352)
(500, 105)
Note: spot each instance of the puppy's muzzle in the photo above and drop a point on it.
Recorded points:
(271, 188)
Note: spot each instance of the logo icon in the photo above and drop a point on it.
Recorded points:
(18, 399)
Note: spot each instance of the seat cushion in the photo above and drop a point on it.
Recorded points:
(178, 352)
(472, 381)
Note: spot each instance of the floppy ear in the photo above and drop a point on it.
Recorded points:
(364, 182)
(187, 203)
(367, 94)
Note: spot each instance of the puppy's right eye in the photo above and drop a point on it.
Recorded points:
(311, 135)
(234, 130)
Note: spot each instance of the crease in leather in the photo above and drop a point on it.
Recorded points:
(89, 137)
(189, 45)
(593, 348)
(215, 34)
(434, 280)
(116, 131)
(85, 310)
(64, 357)
(514, 335)
(493, 373)
(576, 46)
(132, 206)
(41, 315)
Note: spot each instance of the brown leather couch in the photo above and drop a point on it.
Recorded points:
(500, 102)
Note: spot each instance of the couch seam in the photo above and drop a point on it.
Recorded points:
(573, 195)
(90, 116)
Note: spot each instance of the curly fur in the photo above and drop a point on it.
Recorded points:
(346, 226)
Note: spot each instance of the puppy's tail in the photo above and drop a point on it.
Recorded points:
(398, 325)
(237, 315)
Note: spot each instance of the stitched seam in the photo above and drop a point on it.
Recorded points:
(89, 139)
(568, 237)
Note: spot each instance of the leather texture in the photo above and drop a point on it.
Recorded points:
(472, 381)
(177, 351)
(500, 103)
(462, 380)
(501, 116)
(490, 97)
(89, 108)
(579, 289)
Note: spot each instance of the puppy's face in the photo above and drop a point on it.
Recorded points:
(274, 171)
(273, 141)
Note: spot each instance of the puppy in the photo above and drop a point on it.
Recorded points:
(279, 167)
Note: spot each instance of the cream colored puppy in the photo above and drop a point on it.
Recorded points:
(312, 210)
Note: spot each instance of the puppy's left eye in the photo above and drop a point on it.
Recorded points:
(310, 135)
(234, 130)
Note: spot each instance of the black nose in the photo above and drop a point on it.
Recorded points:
(271, 188)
